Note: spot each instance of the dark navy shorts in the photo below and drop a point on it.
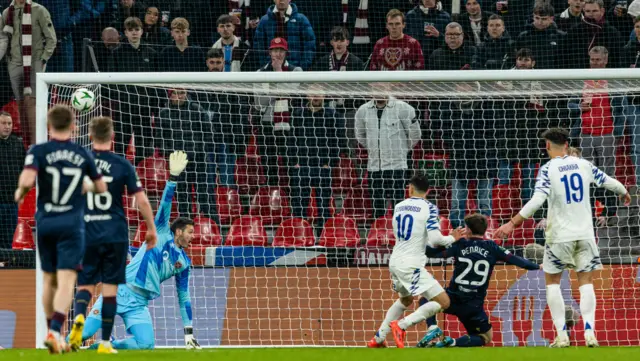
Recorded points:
(470, 314)
(60, 247)
(104, 262)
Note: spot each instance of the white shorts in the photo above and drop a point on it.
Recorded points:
(414, 282)
(583, 256)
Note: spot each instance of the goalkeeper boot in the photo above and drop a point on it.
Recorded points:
(446, 342)
(106, 348)
(399, 335)
(561, 341)
(590, 338)
(75, 337)
(374, 344)
(433, 332)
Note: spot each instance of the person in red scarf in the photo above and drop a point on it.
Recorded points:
(397, 51)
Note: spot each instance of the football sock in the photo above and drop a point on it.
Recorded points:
(469, 341)
(588, 306)
(108, 315)
(556, 306)
(422, 313)
(57, 321)
(395, 312)
(83, 297)
(48, 323)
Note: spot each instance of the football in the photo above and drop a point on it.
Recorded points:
(83, 100)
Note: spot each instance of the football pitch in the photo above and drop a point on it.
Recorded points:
(345, 354)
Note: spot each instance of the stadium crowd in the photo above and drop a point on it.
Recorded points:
(304, 146)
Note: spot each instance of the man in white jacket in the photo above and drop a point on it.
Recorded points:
(388, 129)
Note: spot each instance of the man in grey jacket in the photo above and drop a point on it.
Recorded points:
(388, 129)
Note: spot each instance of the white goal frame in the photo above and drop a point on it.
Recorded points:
(43, 80)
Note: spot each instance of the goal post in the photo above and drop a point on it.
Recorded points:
(334, 290)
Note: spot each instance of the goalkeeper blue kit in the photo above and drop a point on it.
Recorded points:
(147, 270)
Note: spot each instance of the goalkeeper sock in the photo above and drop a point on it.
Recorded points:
(556, 306)
(395, 312)
(57, 321)
(469, 341)
(108, 315)
(588, 306)
(422, 313)
(83, 297)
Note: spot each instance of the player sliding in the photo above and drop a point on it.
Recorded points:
(565, 182)
(60, 165)
(416, 224)
(148, 269)
(107, 234)
(474, 258)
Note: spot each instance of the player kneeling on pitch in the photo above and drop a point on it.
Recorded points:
(416, 224)
(474, 258)
(148, 269)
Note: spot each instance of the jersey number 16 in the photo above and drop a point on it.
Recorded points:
(101, 201)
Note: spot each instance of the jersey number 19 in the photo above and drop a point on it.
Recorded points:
(573, 187)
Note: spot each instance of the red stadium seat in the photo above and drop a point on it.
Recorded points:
(23, 236)
(131, 210)
(153, 174)
(313, 212)
(344, 176)
(506, 201)
(381, 233)
(141, 232)
(228, 204)
(271, 204)
(523, 235)
(249, 174)
(27, 209)
(340, 232)
(445, 226)
(294, 232)
(247, 231)
(357, 205)
(206, 232)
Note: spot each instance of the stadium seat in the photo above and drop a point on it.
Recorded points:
(247, 231)
(506, 201)
(313, 212)
(27, 209)
(153, 174)
(344, 176)
(206, 232)
(271, 204)
(249, 174)
(522, 235)
(357, 205)
(131, 210)
(294, 232)
(23, 236)
(141, 232)
(228, 204)
(381, 233)
(340, 232)
(445, 226)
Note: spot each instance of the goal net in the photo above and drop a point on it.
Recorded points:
(292, 180)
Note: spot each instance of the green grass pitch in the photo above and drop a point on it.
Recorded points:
(344, 354)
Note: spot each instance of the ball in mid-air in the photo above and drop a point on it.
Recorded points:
(83, 100)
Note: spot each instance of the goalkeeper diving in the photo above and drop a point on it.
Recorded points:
(148, 269)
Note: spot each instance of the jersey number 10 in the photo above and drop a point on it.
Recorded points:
(573, 187)
(405, 225)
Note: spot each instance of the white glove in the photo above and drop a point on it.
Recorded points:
(190, 342)
(177, 162)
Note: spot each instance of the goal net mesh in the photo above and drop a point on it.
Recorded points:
(291, 187)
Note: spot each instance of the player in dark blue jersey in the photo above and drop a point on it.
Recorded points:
(474, 258)
(60, 167)
(107, 234)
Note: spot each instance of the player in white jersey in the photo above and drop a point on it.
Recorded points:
(416, 223)
(564, 182)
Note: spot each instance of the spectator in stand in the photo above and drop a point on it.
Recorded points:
(229, 114)
(200, 14)
(388, 129)
(618, 17)
(545, 41)
(127, 9)
(397, 51)
(183, 125)
(594, 30)
(598, 120)
(632, 50)
(284, 21)
(426, 23)
(135, 104)
(274, 113)
(27, 49)
(323, 18)
(455, 54)
(152, 32)
(497, 49)
(181, 57)
(312, 153)
(13, 153)
(104, 50)
(474, 22)
(235, 51)
(571, 16)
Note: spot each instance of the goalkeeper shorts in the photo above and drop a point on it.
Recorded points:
(132, 308)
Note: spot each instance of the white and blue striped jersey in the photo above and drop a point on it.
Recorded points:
(565, 183)
(149, 268)
(415, 220)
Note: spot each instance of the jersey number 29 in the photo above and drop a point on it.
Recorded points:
(405, 225)
(479, 267)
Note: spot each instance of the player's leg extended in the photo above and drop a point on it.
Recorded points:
(475, 321)
(588, 260)
(436, 304)
(49, 287)
(433, 331)
(395, 312)
(114, 263)
(83, 297)
(138, 323)
(556, 258)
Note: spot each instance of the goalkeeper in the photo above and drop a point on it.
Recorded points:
(148, 269)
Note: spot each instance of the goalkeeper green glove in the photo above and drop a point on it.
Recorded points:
(190, 341)
(177, 163)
